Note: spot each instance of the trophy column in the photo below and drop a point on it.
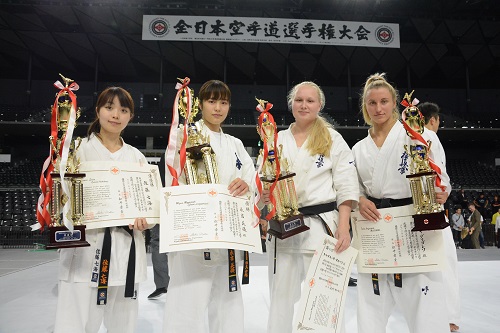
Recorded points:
(59, 235)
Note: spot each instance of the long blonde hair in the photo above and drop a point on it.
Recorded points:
(376, 81)
(319, 138)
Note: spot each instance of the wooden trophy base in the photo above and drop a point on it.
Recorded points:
(288, 227)
(61, 237)
(432, 221)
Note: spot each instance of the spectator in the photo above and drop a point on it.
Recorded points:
(475, 225)
(458, 223)
(159, 260)
(481, 204)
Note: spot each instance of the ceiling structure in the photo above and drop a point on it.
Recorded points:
(444, 44)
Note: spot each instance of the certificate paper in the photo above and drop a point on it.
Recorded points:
(323, 296)
(205, 216)
(389, 245)
(116, 193)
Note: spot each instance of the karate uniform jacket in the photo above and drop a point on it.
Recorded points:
(77, 264)
(382, 172)
(318, 180)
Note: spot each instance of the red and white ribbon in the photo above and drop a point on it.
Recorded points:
(266, 116)
(43, 214)
(171, 150)
(414, 135)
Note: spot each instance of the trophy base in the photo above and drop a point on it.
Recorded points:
(61, 237)
(432, 221)
(288, 227)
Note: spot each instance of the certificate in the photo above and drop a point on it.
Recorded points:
(322, 302)
(389, 245)
(116, 193)
(205, 216)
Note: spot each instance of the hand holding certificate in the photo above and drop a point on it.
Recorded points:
(206, 216)
(116, 193)
(389, 245)
(323, 297)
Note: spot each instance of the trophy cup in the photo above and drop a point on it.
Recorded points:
(285, 220)
(66, 186)
(198, 147)
(429, 214)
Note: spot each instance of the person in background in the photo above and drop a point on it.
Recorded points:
(80, 307)
(475, 220)
(458, 223)
(159, 260)
(382, 174)
(497, 228)
(431, 111)
(494, 220)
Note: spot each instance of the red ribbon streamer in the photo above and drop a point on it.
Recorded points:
(43, 214)
(264, 113)
(414, 135)
(172, 142)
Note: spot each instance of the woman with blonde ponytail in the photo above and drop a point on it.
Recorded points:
(327, 188)
(382, 164)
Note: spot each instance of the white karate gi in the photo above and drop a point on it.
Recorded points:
(77, 309)
(319, 179)
(382, 174)
(197, 284)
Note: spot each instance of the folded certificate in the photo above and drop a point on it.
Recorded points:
(116, 193)
(322, 301)
(194, 217)
(389, 245)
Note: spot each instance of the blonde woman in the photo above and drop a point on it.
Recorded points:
(382, 165)
(327, 188)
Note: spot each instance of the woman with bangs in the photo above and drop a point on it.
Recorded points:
(326, 187)
(382, 164)
(199, 281)
(80, 307)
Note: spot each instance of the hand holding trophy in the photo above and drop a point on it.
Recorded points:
(61, 181)
(424, 174)
(285, 220)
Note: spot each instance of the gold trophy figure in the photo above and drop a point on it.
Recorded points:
(286, 220)
(198, 147)
(60, 235)
(429, 214)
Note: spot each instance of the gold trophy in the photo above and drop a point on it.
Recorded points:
(429, 214)
(285, 220)
(60, 235)
(198, 147)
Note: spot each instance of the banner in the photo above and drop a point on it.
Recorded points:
(269, 30)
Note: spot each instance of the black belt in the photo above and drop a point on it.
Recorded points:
(388, 202)
(313, 210)
(102, 288)
(318, 209)
(231, 256)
